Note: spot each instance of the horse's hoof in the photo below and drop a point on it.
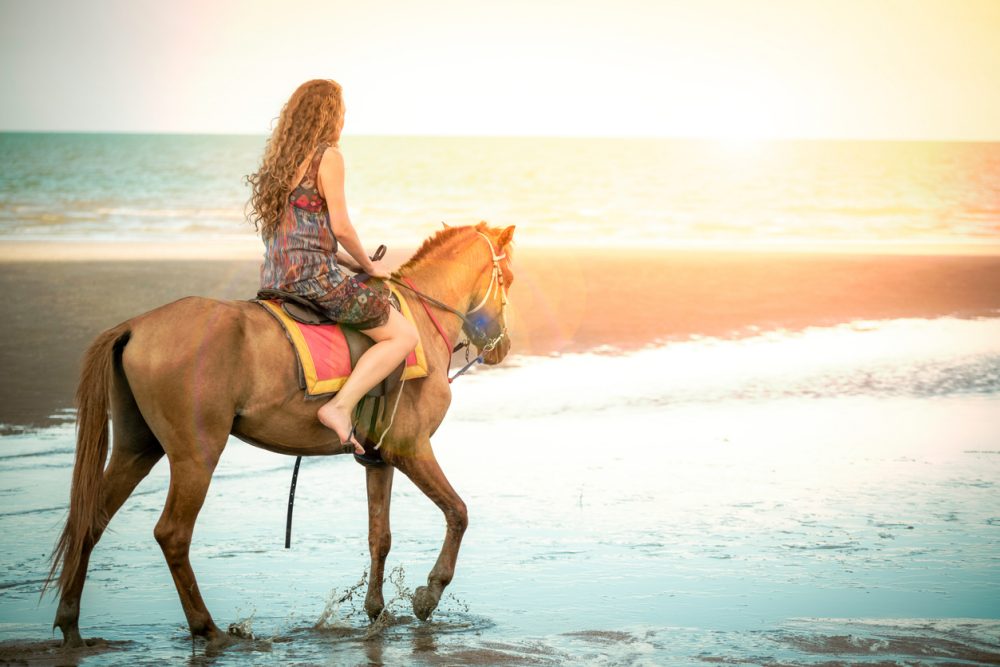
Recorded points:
(424, 602)
(219, 642)
(374, 607)
(72, 639)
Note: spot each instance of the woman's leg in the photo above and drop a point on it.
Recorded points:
(393, 341)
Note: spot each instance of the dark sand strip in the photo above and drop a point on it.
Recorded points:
(564, 301)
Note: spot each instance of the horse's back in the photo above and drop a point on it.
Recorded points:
(207, 350)
(192, 327)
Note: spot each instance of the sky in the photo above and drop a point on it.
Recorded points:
(731, 69)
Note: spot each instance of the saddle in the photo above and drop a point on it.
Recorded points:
(304, 311)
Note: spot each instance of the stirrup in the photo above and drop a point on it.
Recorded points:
(371, 457)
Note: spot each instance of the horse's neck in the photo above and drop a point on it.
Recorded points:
(447, 276)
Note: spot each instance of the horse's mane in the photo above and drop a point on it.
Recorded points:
(440, 238)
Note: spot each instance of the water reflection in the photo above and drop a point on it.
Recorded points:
(731, 518)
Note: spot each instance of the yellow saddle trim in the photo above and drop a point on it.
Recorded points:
(314, 385)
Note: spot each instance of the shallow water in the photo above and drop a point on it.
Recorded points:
(821, 497)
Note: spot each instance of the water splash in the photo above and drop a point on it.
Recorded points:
(332, 618)
(243, 628)
(397, 577)
(388, 618)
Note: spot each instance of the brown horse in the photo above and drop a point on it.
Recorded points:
(180, 379)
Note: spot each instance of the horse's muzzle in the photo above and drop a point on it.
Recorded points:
(497, 354)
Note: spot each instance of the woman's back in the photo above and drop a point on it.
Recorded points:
(303, 245)
(298, 230)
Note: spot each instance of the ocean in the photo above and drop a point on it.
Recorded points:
(558, 191)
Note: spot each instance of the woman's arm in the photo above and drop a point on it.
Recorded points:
(330, 181)
(345, 260)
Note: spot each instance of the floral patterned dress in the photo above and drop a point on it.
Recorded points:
(299, 258)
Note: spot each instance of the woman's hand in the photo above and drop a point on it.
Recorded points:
(378, 271)
(374, 269)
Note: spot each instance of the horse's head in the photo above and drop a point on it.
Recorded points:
(488, 305)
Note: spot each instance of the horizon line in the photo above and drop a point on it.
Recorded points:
(661, 137)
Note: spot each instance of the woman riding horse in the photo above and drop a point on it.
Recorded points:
(182, 378)
(299, 207)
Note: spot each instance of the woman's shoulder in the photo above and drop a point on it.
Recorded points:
(330, 170)
(330, 151)
(331, 159)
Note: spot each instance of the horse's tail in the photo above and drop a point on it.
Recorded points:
(86, 519)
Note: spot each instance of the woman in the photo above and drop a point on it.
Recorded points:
(298, 205)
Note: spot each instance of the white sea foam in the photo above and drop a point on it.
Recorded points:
(904, 357)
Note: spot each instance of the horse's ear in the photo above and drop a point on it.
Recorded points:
(445, 225)
(505, 236)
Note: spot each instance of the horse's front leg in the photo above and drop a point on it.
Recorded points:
(423, 469)
(379, 480)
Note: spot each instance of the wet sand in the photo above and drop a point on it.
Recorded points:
(564, 301)
(827, 496)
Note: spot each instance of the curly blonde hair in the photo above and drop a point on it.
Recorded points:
(313, 114)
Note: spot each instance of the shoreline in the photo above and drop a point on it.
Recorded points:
(563, 300)
(247, 248)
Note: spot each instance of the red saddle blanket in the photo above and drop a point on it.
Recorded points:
(323, 355)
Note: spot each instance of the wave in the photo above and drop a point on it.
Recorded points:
(642, 191)
(894, 358)
(916, 358)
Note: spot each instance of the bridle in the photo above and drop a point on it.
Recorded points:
(500, 321)
(484, 338)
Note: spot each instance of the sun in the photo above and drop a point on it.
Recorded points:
(747, 111)
(737, 107)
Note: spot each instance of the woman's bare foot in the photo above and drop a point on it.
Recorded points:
(339, 421)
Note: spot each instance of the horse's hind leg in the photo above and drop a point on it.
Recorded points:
(379, 480)
(134, 452)
(189, 481)
(423, 469)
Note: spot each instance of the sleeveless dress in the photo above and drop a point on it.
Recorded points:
(299, 258)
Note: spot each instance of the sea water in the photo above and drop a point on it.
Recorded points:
(558, 191)
(812, 497)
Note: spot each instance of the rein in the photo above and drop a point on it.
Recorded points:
(423, 302)
(473, 329)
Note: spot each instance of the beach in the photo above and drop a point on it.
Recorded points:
(749, 416)
(562, 300)
(786, 473)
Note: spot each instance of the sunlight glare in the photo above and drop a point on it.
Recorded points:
(744, 110)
